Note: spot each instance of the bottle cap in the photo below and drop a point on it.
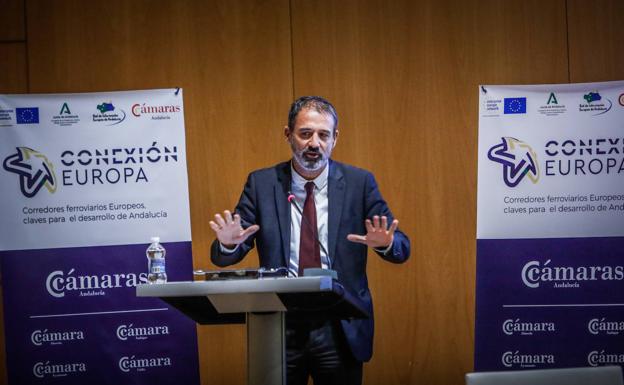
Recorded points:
(155, 239)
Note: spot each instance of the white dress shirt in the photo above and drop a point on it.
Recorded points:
(321, 202)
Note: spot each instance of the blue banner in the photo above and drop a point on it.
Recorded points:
(86, 180)
(550, 227)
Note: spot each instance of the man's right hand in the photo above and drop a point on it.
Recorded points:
(229, 230)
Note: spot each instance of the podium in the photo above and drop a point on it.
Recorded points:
(262, 303)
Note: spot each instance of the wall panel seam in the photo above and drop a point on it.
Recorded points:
(292, 49)
(27, 51)
(567, 26)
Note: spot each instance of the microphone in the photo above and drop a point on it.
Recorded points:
(293, 201)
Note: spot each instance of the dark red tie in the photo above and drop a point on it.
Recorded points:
(309, 249)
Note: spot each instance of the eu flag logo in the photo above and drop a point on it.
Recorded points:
(28, 115)
(515, 106)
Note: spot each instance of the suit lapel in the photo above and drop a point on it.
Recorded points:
(336, 199)
(283, 207)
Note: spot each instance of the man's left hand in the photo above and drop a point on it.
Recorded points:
(378, 235)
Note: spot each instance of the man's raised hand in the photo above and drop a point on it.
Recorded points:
(229, 230)
(378, 235)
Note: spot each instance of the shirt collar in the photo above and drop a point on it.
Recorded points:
(319, 182)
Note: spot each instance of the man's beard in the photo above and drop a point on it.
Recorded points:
(309, 164)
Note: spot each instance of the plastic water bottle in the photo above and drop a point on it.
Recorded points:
(156, 262)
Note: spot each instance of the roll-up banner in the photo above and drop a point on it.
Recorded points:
(86, 180)
(550, 226)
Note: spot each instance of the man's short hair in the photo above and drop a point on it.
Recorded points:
(319, 104)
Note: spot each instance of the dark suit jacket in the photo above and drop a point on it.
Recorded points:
(353, 197)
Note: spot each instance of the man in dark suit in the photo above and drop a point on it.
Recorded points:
(343, 209)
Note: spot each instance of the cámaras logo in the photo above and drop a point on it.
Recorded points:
(58, 282)
(518, 160)
(597, 326)
(43, 369)
(511, 326)
(140, 332)
(34, 169)
(600, 358)
(40, 337)
(523, 360)
(127, 364)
